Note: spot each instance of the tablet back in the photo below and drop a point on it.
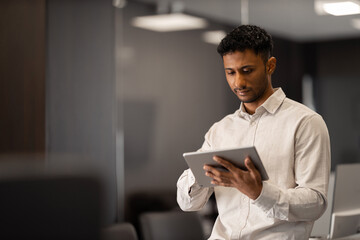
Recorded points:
(196, 161)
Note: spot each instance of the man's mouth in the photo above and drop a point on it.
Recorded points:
(242, 92)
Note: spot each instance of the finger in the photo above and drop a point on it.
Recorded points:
(228, 165)
(249, 164)
(251, 168)
(217, 175)
(211, 170)
(214, 177)
(219, 183)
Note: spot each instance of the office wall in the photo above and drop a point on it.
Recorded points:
(80, 92)
(174, 88)
(290, 67)
(338, 82)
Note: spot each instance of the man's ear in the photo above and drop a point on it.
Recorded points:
(271, 65)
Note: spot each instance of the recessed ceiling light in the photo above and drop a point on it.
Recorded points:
(169, 22)
(337, 8)
(213, 37)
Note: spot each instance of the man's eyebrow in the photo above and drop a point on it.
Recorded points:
(242, 67)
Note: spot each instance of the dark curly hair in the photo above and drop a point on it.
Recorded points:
(247, 37)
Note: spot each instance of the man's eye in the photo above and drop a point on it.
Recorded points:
(230, 73)
(247, 70)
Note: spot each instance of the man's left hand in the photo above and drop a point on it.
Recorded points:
(246, 181)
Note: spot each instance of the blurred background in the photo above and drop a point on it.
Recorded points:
(120, 89)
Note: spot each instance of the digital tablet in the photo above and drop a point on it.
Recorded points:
(197, 160)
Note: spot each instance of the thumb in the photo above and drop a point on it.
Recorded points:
(249, 165)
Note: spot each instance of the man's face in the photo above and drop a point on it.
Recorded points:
(248, 76)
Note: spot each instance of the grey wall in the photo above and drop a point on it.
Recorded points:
(80, 92)
(338, 76)
(174, 89)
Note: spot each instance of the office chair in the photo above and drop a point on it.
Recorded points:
(55, 208)
(119, 231)
(174, 225)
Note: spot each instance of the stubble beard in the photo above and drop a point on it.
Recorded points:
(257, 95)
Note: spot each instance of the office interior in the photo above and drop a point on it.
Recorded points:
(87, 97)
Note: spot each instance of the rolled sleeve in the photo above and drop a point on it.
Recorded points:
(190, 196)
(268, 201)
(299, 204)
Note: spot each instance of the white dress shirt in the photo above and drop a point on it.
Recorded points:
(293, 144)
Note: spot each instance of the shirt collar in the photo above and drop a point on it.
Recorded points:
(270, 105)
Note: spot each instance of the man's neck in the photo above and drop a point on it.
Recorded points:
(250, 108)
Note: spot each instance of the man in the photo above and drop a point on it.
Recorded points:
(292, 141)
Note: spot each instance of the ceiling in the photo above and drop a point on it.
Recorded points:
(291, 19)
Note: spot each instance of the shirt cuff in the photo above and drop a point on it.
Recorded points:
(267, 199)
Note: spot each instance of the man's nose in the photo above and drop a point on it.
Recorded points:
(239, 81)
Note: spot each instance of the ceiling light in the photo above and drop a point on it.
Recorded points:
(356, 23)
(341, 8)
(337, 8)
(213, 37)
(169, 22)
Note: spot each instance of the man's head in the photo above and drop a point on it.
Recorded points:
(247, 37)
(248, 64)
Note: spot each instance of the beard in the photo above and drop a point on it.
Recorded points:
(255, 97)
(256, 94)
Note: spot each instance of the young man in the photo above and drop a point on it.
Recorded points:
(292, 141)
